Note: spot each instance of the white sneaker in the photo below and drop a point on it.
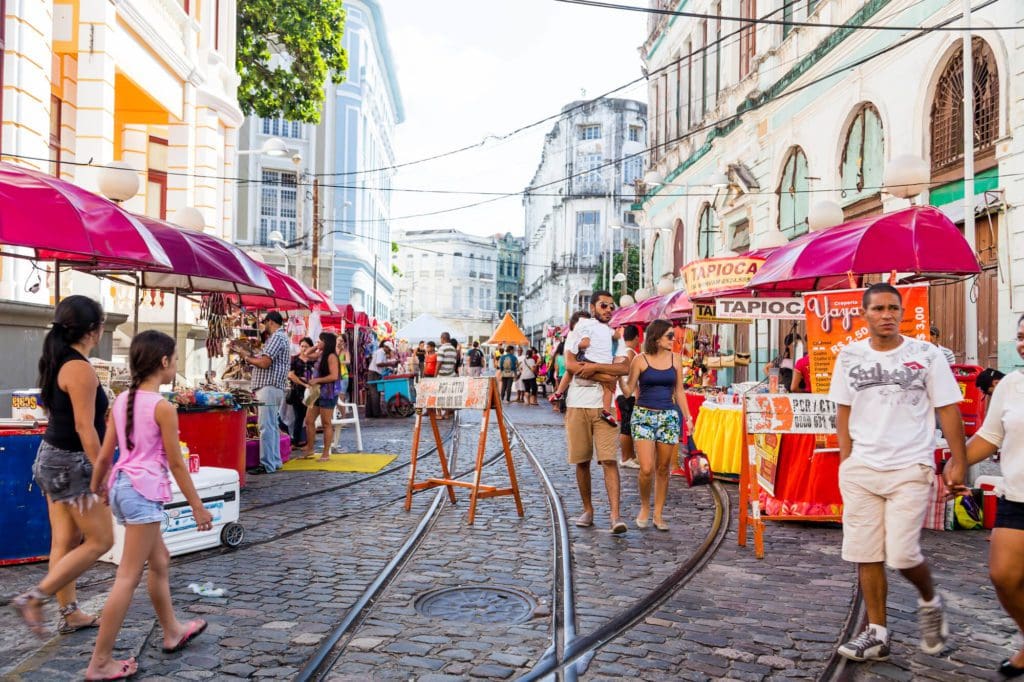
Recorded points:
(867, 646)
(631, 464)
(934, 628)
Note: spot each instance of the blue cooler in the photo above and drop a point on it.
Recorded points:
(24, 520)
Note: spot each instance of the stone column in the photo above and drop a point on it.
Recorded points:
(95, 115)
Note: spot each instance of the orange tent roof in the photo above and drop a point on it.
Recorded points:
(508, 333)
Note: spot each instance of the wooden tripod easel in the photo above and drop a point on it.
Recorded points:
(492, 401)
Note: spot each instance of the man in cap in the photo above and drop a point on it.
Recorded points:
(269, 380)
(383, 357)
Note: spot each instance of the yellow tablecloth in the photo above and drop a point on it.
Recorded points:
(719, 434)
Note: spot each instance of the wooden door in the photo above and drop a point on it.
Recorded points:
(946, 303)
(986, 237)
(743, 332)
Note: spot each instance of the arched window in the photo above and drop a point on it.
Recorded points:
(705, 234)
(948, 108)
(657, 258)
(860, 169)
(794, 197)
(678, 247)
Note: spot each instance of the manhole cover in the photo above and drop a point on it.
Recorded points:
(476, 605)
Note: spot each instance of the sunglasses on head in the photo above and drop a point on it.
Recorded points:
(606, 306)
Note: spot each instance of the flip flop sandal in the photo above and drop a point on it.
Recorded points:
(126, 672)
(66, 628)
(619, 528)
(25, 604)
(194, 629)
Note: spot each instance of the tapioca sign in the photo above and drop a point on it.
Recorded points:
(704, 278)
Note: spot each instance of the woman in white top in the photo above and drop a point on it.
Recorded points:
(1004, 430)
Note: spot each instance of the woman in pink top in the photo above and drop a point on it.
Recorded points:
(146, 431)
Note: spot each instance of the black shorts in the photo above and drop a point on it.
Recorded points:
(1009, 514)
(625, 406)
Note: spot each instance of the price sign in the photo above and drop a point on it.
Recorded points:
(456, 393)
(790, 413)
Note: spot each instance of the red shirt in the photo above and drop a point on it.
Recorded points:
(803, 365)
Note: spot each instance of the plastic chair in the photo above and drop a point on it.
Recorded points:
(339, 420)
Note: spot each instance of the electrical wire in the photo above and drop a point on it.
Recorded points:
(774, 22)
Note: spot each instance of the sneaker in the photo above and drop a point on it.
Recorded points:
(867, 646)
(631, 464)
(934, 628)
(257, 471)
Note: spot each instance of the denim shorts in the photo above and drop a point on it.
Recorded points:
(64, 476)
(326, 403)
(129, 507)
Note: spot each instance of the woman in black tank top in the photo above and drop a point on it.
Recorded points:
(77, 408)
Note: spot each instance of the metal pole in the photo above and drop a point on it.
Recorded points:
(181, 356)
(56, 282)
(316, 234)
(970, 309)
(135, 318)
(373, 310)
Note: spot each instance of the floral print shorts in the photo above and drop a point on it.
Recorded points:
(661, 426)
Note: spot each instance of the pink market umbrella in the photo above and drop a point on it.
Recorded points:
(674, 306)
(288, 293)
(323, 303)
(61, 221)
(641, 313)
(919, 240)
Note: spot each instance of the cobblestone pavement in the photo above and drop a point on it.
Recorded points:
(307, 560)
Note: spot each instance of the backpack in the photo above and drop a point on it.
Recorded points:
(508, 366)
(430, 365)
(476, 358)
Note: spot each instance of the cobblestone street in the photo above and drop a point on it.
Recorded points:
(315, 542)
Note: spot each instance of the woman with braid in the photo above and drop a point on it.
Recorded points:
(146, 431)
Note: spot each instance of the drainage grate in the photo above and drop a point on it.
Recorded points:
(476, 605)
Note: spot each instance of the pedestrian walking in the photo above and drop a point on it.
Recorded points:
(344, 360)
(421, 357)
(1003, 430)
(298, 378)
(476, 360)
(326, 380)
(508, 366)
(136, 488)
(269, 381)
(447, 356)
(936, 338)
(888, 389)
(587, 433)
(518, 387)
(76, 406)
(528, 375)
(656, 380)
(624, 403)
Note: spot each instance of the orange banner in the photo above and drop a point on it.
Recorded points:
(834, 320)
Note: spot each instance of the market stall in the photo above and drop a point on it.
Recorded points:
(24, 521)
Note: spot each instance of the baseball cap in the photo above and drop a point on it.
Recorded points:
(387, 344)
(273, 316)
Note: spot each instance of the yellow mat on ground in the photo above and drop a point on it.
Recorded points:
(358, 462)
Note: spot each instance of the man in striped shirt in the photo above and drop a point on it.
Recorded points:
(446, 356)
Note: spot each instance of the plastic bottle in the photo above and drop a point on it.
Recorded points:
(184, 450)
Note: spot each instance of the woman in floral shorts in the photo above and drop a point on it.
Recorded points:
(655, 376)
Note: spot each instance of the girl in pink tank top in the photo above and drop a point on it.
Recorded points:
(146, 432)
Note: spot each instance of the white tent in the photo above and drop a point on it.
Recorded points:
(426, 327)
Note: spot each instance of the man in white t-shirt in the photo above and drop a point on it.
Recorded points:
(888, 390)
(586, 431)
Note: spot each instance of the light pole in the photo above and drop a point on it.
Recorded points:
(276, 239)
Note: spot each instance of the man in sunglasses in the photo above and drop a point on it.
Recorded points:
(586, 430)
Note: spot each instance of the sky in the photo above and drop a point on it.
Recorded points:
(468, 69)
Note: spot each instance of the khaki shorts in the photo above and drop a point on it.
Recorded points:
(585, 431)
(883, 512)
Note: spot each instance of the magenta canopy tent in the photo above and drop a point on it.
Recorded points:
(674, 306)
(287, 293)
(62, 222)
(641, 313)
(919, 240)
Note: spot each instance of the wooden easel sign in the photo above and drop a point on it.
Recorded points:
(461, 393)
(766, 418)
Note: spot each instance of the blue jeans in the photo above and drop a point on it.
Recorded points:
(270, 434)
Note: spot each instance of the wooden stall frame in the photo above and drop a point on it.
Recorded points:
(491, 400)
(750, 494)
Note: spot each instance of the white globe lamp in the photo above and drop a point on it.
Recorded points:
(906, 176)
(665, 286)
(718, 180)
(626, 300)
(654, 177)
(641, 295)
(190, 218)
(772, 239)
(823, 215)
(118, 181)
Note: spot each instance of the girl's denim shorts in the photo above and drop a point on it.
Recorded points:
(129, 507)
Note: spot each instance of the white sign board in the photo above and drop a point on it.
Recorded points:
(790, 413)
(456, 393)
(760, 308)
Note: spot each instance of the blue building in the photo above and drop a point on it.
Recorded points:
(357, 132)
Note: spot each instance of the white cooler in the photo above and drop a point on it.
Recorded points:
(218, 489)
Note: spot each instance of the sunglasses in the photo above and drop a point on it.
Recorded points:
(670, 336)
(606, 306)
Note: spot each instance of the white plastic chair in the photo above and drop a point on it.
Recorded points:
(339, 420)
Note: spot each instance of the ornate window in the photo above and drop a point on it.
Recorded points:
(706, 232)
(794, 194)
(678, 247)
(860, 169)
(948, 113)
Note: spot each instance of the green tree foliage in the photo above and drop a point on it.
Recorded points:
(286, 51)
(632, 272)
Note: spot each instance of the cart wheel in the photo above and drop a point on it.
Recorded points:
(232, 534)
(400, 406)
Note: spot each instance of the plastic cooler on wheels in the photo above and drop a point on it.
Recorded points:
(972, 408)
(218, 488)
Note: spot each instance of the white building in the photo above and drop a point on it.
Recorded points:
(148, 82)
(578, 205)
(758, 107)
(450, 275)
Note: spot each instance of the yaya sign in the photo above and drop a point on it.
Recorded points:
(834, 320)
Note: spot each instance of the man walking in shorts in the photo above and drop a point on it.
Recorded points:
(586, 432)
(888, 389)
(631, 346)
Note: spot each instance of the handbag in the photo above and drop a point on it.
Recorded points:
(311, 396)
(713, 361)
(742, 359)
(696, 465)
(728, 360)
